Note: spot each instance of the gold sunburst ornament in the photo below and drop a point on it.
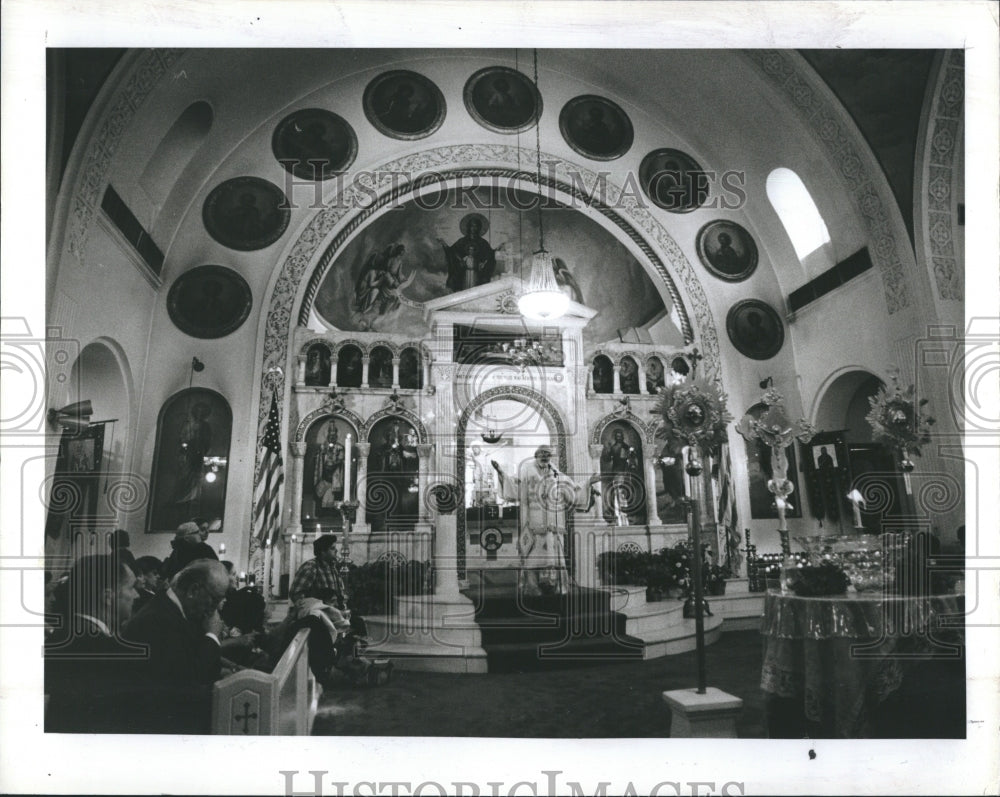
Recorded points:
(898, 419)
(694, 414)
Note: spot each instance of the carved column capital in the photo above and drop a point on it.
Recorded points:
(425, 450)
(299, 448)
(364, 449)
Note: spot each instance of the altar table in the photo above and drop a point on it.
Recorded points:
(839, 657)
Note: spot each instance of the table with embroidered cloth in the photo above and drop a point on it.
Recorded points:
(839, 657)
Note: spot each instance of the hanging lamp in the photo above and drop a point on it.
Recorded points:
(541, 298)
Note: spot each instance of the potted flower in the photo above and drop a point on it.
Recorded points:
(715, 579)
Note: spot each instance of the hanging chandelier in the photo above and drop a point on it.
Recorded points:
(541, 298)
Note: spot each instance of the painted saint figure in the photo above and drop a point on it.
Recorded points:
(471, 260)
(620, 467)
(328, 471)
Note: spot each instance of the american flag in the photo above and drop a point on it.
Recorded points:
(728, 519)
(267, 496)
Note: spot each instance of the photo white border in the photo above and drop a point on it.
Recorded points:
(31, 761)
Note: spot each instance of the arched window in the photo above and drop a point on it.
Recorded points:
(411, 374)
(654, 375)
(191, 461)
(628, 375)
(795, 207)
(175, 150)
(603, 375)
(318, 365)
(380, 367)
(680, 367)
(349, 366)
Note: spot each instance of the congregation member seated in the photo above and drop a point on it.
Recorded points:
(188, 545)
(181, 628)
(90, 671)
(337, 636)
(118, 544)
(148, 580)
(243, 636)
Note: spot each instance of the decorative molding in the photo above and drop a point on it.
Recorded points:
(146, 73)
(329, 345)
(352, 418)
(646, 430)
(941, 154)
(396, 412)
(863, 180)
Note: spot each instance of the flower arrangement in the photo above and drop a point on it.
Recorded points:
(694, 414)
(898, 419)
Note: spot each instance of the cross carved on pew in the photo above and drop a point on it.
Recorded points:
(246, 717)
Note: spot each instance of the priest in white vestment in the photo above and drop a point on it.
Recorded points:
(544, 495)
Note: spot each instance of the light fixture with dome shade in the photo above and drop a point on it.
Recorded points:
(541, 298)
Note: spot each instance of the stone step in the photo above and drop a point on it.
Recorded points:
(442, 630)
(653, 616)
(680, 638)
(431, 658)
(742, 611)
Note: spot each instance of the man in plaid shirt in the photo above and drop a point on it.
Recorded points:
(319, 577)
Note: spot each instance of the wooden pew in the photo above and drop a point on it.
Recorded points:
(279, 703)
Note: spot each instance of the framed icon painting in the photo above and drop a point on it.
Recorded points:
(727, 250)
(755, 329)
(403, 104)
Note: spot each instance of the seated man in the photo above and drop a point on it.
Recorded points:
(89, 669)
(187, 546)
(319, 602)
(181, 629)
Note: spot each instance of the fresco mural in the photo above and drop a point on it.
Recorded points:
(460, 240)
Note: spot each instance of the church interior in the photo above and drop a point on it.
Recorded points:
(361, 296)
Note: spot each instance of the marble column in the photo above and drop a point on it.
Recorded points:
(365, 360)
(424, 452)
(300, 370)
(617, 382)
(652, 518)
(395, 373)
(361, 488)
(333, 369)
(595, 455)
(446, 559)
(298, 465)
(426, 365)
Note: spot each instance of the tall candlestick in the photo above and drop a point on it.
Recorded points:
(856, 500)
(267, 569)
(347, 469)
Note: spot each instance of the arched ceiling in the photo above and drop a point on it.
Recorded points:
(712, 105)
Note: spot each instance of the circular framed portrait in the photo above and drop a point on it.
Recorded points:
(673, 180)
(596, 128)
(755, 329)
(246, 213)
(502, 99)
(403, 104)
(314, 144)
(727, 250)
(209, 301)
